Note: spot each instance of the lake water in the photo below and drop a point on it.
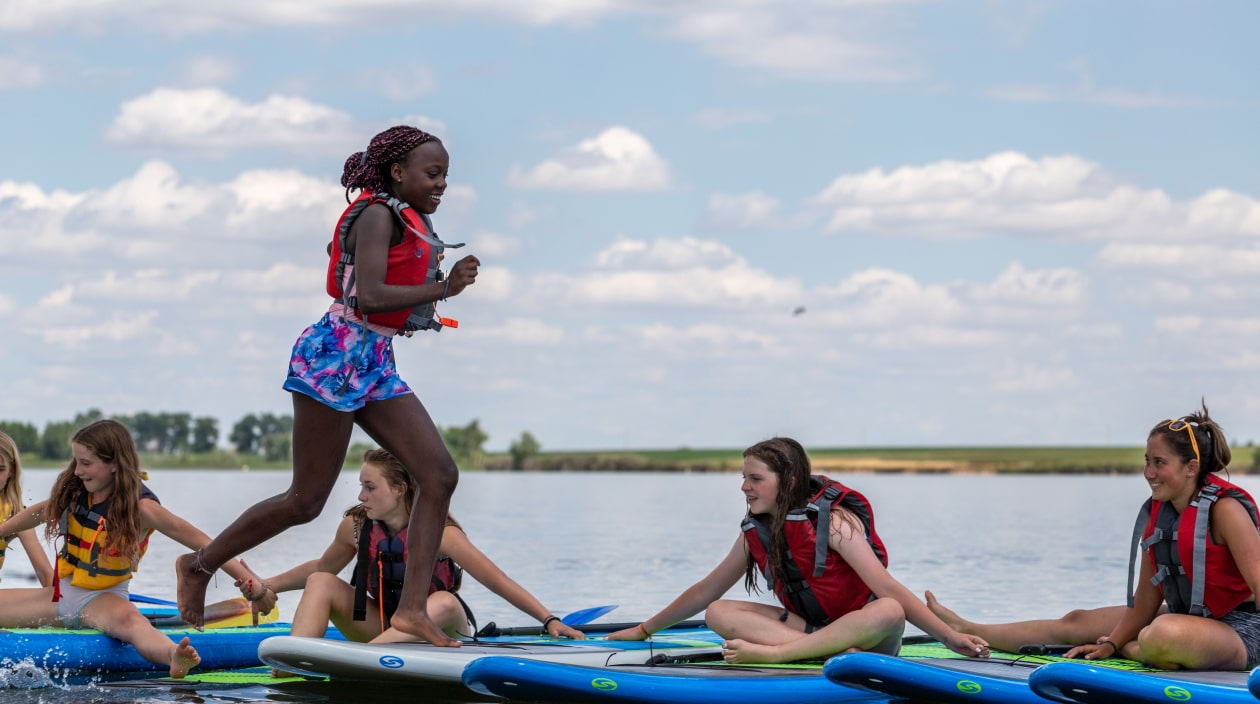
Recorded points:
(992, 547)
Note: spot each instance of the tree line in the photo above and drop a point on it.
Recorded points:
(266, 435)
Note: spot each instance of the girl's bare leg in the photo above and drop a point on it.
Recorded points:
(876, 627)
(403, 427)
(120, 619)
(1076, 627)
(321, 436)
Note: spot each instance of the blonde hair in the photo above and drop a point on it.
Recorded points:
(11, 493)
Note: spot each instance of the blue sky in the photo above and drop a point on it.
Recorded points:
(1006, 223)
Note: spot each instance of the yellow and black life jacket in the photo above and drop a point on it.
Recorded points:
(83, 557)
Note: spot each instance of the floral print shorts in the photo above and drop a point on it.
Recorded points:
(344, 366)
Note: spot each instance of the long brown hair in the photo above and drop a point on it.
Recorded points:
(786, 458)
(11, 495)
(111, 442)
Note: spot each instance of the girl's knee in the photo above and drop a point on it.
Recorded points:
(320, 584)
(720, 612)
(889, 613)
(445, 610)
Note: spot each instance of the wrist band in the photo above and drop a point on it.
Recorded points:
(446, 289)
(644, 631)
(1114, 648)
(548, 620)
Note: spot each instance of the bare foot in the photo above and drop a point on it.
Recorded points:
(950, 618)
(738, 651)
(184, 657)
(411, 628)
(190, 589)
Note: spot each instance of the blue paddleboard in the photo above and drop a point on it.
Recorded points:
(1074, 682)
(945, 679)
(694, 683)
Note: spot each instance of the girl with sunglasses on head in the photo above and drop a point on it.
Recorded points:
(1195, 604)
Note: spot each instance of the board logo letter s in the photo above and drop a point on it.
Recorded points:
(393, 662)
(1177, 694)
(604, 684)
(968, 687)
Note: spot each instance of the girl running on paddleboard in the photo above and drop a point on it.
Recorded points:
(384, 278)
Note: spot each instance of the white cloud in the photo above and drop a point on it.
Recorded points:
(1028, 378)
(618, 159)
(521, 331)
(810, 41)
(24, 15)
(1011, 193)
(1045, 287)
(208, 120)
(747, 210)
(205, 71)
(19, 73)
(491, 244)
(153, 198)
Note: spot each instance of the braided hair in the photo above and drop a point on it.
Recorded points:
(368, 170)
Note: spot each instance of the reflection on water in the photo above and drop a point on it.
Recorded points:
(993, 548)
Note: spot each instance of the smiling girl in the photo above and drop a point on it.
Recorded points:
(384, 277)
(374, 534)
(1202, 559)
(819, 536)
(104, 515)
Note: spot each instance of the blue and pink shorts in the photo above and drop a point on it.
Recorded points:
(344, 366)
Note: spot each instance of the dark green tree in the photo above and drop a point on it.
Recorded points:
(465, 443)
(523, 448)
(25, 435)
(54, 443)
(205, 434)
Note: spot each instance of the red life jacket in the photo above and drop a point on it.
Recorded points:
(821, 585)
(381, 566)
(1195, 575)
(412, 262)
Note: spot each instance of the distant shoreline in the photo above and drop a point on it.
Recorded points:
(896, 460)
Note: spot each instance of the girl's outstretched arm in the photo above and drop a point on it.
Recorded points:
(457, 546)
(695, 598)
(157, 517)
(336, 556)
(849, 541)
(39, 559)
(26, 519)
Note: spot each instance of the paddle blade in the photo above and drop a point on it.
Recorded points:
(584, 616)
(142, 599)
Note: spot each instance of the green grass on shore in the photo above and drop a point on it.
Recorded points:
(841, 459)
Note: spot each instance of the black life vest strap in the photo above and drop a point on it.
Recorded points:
(801, 597)
(359, 579)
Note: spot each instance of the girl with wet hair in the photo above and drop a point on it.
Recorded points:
(849, 602)
(373, 536)
(384, 279)
(11, 503)
(1194, 606)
